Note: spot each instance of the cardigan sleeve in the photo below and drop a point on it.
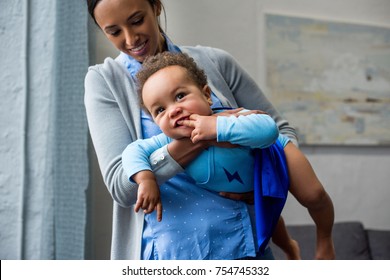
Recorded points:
(110, 135)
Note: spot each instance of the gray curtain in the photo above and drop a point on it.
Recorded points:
(44, 158)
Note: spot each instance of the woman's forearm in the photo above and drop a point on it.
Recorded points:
(183, 151)
(171, 159)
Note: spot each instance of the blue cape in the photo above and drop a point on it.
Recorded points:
(271, 183)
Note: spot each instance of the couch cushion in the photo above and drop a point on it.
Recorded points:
(350, 240)
(379, 244)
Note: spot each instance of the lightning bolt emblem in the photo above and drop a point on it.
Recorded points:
(232, 177)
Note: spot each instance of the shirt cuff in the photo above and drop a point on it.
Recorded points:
(163, 165)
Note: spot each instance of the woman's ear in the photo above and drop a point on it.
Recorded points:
(207, 92)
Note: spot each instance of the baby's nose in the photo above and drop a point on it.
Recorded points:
(175, 111)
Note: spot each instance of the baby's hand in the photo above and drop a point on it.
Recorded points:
(205, 127)
(148, 198)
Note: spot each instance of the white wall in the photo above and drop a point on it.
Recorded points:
(357, 178)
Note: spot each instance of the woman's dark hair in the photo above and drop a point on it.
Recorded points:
(93, 3)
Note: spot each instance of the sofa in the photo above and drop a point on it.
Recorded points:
(351, 240)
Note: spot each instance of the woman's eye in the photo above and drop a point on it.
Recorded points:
(138, 21)
(114, 33)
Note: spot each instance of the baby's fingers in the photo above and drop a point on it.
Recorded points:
(148, 208)
(190, 122)
(143, 204)
(159, 211)
(138, 205)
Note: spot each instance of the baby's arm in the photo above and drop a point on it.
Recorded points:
(251, 130)
(135, 160)
(135, 157)
(148, 196)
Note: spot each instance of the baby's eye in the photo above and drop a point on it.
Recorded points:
(180, 96)
(159, 110)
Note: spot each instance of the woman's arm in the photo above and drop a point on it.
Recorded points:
(110, 133)
(184, 151)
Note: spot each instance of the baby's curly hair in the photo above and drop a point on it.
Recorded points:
(152, 64)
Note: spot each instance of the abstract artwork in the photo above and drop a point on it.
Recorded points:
(331, 80)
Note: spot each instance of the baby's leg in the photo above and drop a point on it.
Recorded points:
(308, 190)
(283, 240)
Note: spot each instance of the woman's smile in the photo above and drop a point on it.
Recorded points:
(139, 50)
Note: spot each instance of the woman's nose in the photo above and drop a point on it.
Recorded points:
(130, 38)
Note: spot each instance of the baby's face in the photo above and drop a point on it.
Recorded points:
(169, 95)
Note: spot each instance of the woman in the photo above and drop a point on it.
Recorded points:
(197, 224)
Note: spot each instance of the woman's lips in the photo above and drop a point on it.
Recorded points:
(139, 50)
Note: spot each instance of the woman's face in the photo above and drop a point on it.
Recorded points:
(131, 26)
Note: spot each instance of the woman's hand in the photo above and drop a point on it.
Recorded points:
(239, 112)
(247, 197)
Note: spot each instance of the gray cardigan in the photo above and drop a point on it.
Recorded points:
(113, 114)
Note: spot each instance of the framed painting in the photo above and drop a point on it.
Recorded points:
(330, 79)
